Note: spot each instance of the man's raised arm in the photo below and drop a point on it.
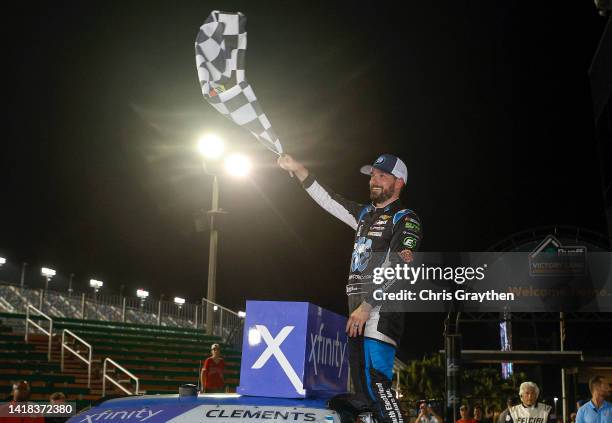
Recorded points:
(345, 210)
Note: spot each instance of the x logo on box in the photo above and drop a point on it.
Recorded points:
(273, 349)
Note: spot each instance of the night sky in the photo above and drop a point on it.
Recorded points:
(488, 104)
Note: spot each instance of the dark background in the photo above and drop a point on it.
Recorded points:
(488, 104)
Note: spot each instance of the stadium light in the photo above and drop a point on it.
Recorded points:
(142, 294)
(2, 261)
(95, 284)
(215, 308)
(238, 165)
(241, 314)
(179, 303)
(47, 273)
(211, 146)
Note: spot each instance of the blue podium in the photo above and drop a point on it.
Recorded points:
(293, 350)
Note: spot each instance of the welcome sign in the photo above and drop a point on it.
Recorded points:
(293, 350)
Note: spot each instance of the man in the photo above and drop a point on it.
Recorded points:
(21, 395)
(598, 410)
(21, 391)
(478, 415)
(464, 412)
(211, 376)
(492, 414)
(427, 415)
(529, 410)
(57, 398)
(386, 234)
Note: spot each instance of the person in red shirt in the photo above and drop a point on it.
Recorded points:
(21, 394)
(464, 410)
(212, 372)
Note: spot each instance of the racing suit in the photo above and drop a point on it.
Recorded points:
(383, 237)
(539, 413)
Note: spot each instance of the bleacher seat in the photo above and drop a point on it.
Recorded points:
(161, 357)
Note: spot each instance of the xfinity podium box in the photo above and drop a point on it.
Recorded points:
(294, 358)
(293, 350)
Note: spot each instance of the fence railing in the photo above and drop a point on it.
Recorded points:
(225, 323)
(31, 322)
(117, 383)
(76, 352)
(5, 305)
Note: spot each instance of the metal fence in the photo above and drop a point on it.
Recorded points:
(224, 322)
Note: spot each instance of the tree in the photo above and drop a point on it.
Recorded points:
(425, 379)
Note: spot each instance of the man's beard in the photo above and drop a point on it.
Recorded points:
(381, 196)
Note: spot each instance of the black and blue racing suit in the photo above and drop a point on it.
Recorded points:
(383, 237)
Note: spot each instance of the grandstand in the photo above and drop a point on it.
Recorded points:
(135, 357)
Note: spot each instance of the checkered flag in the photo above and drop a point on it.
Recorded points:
(220, 51)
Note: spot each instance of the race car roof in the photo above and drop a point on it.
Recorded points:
(212, 399)
(204, 408)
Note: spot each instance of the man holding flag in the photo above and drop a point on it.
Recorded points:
(386, 234)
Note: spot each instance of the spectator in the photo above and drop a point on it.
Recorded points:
(464, 410)
(21, 391)
(57, 398)
(20, 395)
(212, 372)
(491, 415)
(598, 410)
(573, 418)
(427, 415)
(509, 404)
(529, 410)
(478, 413)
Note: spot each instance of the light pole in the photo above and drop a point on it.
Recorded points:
(179, 303)
(211, 288)
(556, 414)
(96, 285)
(2, 261)
(70, 284)
(23, 269)
(48, 274)
(142, 294)
(211, 148)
